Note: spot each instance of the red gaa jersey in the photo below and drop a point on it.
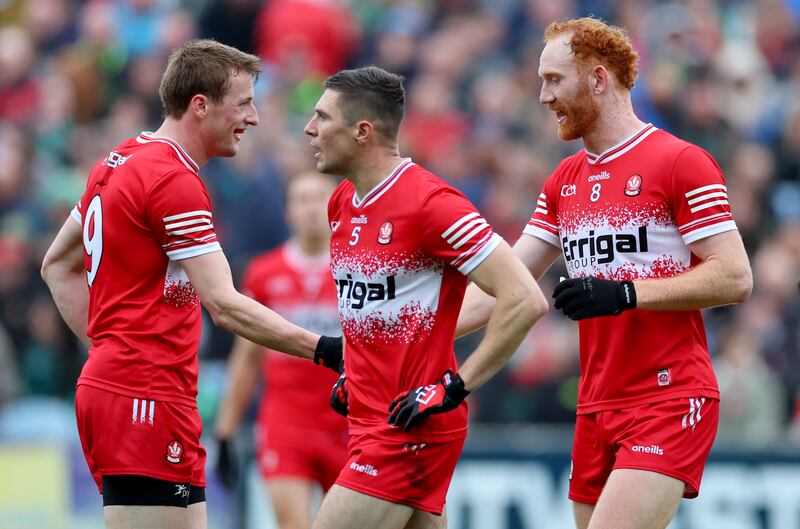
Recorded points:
(144, 209)
(629, 213)
(301, 289)
(399, 256)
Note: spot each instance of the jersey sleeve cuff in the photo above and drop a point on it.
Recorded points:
(470, 264)
(543, 234)
(194, 251)
(76, 215)
(708, 231)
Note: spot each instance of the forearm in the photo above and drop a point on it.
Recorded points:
(536, 254)
(712, 283)
(63, 271)
(249, 319)
(243, 369)
(71, 296)
(508, 325)
(475, 311)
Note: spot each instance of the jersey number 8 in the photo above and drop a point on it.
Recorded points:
(93, 236)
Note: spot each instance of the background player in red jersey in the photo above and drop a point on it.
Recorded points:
(403, 243)
(142, 237)
(643, 221)
(300, 441)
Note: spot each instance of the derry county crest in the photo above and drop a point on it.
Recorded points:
(385, 233)
(174, 451)
(634, 185)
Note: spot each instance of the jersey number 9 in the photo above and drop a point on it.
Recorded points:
(93, 236)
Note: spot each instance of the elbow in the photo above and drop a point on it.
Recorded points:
(47, 269)
(742, 286)
(533, 305)
(220, 311)
(539, 304)
(44, 271)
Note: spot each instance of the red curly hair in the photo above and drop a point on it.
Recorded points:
(594, 39)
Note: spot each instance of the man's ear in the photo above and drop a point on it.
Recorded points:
(598, 79)
(199, 105)
(363, 132)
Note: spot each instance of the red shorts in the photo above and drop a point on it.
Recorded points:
(672, 437)
(417, 475)
(317, 456)
(128, 436)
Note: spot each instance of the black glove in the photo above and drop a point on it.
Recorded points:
(227, 466)
(588, 297)
(329, 352)
(409, 408)
(339, 396)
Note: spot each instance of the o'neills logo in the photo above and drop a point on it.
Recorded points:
(364, 469)
(652, 449)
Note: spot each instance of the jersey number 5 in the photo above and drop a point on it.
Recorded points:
(93, 236)
(354, 236)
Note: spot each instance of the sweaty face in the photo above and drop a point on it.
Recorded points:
(566, 91)
(331, 136)
(228, 119)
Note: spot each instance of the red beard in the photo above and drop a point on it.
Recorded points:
(581, 114)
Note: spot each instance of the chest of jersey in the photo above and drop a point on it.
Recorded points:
(387, 286)
(615, 220)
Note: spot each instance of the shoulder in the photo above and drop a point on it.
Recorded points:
(161, 156)
(175, 180)
(683, 159)
(665, 144)
(426, 184)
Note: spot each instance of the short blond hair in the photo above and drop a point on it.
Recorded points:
(202, 66)
(594, 39)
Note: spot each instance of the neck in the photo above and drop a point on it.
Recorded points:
(613, 126)
(312, 246)
(373, 169)
(185, 134)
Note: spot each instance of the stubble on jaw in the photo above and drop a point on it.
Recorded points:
(581, 113)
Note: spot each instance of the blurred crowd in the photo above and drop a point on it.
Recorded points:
(77, 77)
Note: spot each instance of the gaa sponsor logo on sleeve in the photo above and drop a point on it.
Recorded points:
(114, 159)
(664, 377)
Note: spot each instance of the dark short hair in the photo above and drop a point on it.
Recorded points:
(202, 66)
(373, 94)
